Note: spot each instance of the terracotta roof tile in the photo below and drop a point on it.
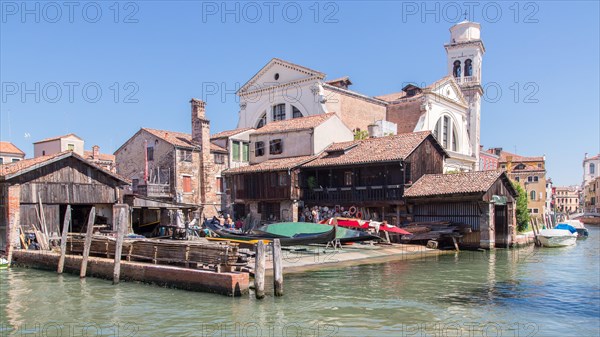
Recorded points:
(8, 147)
(88, 155)
(33, 163)
(229, 133)
(384, 149)
(179, 139)
(58, 137)
(455, 183)
(217, 148)
(517, 158)
(294, 124)
(271, 165)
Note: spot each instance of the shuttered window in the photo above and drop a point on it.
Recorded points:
(187, 184)
(236, 151)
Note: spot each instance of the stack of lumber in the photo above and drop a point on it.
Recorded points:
(163, 251)
(435, 230)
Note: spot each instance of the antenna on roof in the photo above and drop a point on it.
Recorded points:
(466, 14)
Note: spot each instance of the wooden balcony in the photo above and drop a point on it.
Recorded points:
(154, 190)
(354, 194)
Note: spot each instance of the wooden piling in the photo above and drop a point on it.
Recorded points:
(63, 240)
(121, 229)
(88, 242)
(259, 270)
(277, 268)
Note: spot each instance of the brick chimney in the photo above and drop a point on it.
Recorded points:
(199, 120)
(95, 152)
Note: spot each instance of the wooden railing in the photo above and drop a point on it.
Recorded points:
(353, 194)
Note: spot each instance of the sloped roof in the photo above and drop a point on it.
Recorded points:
(517, 158)
(9, 171)
(8, 147)
(402, 94)
(371, 150)
(294, 124)
(217, 148)
(271, 165)
(89, 155)
(456, 183)
(275, 61)
(229, 133)
(58, 137)
(179, 139)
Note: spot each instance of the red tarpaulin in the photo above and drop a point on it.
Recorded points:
(393, 229)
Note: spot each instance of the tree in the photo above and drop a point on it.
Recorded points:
(522, 211)
(359, 135)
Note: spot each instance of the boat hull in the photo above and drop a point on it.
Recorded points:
(558, 241)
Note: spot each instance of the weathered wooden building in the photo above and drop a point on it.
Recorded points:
(55, 181)
(370, 175)
(485, 200)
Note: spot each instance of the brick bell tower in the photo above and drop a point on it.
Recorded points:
(207, 196)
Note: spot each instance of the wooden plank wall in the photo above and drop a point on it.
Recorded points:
(463, 212)
(426, 159)
(29, 216)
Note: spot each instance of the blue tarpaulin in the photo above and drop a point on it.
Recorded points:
(566, 227)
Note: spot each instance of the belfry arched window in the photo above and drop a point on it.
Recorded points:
(468, 67)
(456, 70)
(262, 121)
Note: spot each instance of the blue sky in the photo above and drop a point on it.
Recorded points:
(149, 58)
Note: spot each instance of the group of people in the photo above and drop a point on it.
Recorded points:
(227, 222)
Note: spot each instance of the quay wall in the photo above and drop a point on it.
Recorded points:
(224, 283)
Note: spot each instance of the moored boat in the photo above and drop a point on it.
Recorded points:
(290, 229)
(298, 239)
(558, 237)
(582, 232)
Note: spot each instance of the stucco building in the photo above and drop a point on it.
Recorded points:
(9, 153)
(566, 198)
(592, 196)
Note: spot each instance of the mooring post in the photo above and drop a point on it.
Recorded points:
(277, 268)
(259, 270)
(88, 242)
(63, 240)
(121, 229)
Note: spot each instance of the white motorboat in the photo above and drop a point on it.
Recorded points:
(557, 237)
(579, 226)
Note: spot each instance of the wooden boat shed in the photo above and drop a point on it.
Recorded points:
(51, 183)
(485, 200)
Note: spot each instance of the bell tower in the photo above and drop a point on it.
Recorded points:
(465, 54)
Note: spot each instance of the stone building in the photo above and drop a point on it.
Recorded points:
(591, 165)
(449, 108)
(175, 166)
(566, 199)
(9, 153)
(592, 196)
(72, 142)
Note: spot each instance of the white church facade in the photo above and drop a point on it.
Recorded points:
(450, 107)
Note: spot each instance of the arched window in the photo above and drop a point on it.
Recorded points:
(279, 112)
(532, 195)
(456, 70)
(446, 134)
(262, 121)
(592, 168)
(468, 67)
(296, 112)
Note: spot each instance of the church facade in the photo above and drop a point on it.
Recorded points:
(449, 108)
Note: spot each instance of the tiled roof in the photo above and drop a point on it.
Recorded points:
(8, 171)
(8, 147)
(229, 133)
(217, 148)
(398, 95)
(179, 139)
(517, 158)
(384, 149)
(593, 158)
(340, 79)
(58, 137)
(101, 156)
(271, 165)
(454, 183)
(294, 124)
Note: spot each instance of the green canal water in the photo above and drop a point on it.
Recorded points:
(521, 292)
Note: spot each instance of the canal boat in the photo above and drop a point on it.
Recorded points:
(290, 229)
(560, 236)
(298, 239)
(3, 263)
(578, 225)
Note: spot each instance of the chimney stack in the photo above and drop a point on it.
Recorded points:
(95, 152)
(198, 119)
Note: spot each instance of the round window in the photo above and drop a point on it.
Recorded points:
(276, 76)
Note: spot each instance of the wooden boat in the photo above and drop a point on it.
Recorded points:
(557, 237)
(299, 239)
(290, 229)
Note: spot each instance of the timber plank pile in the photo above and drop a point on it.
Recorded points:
(186, 253)
(435, 230)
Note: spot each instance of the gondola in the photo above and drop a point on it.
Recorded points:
(344, 235)
(299, 239)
